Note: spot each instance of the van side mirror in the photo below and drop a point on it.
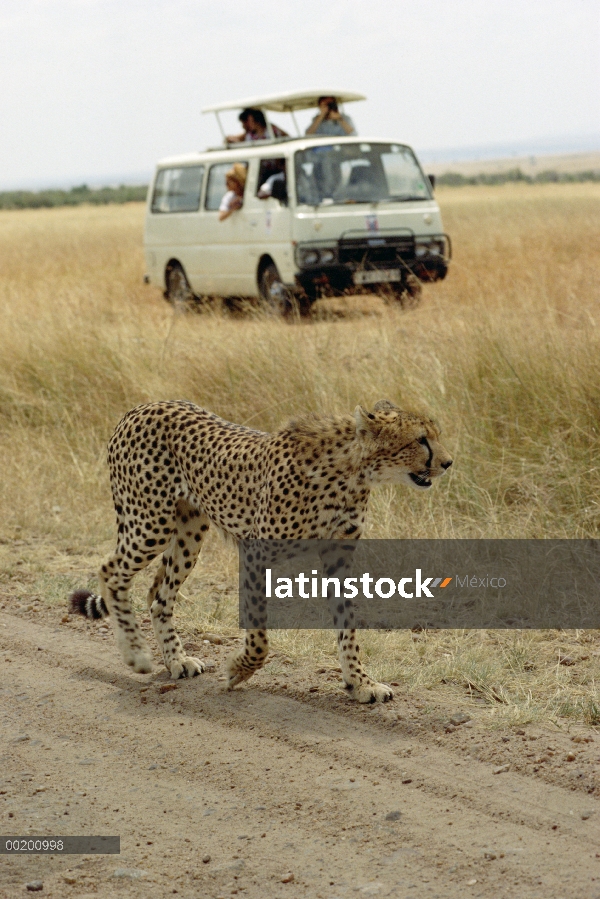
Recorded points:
(279, 191)
(432, 181)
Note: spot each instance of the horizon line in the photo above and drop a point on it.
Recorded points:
(555, 146)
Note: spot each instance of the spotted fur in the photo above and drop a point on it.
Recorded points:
(176, 469)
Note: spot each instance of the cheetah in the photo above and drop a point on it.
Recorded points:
(175, 469)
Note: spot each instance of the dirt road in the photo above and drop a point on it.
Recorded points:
(263, 794)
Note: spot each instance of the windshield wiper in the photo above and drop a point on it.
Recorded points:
(403, 198)
(370, 201)
(400, 198)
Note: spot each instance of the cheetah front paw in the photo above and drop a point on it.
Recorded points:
(236, 673)
(370, 692)
(186, 666)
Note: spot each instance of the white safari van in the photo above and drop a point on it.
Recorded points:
(344, 213)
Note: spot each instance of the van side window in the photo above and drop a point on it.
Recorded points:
(216, 187)
(178, 189)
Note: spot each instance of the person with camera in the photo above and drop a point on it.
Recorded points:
(330, 122)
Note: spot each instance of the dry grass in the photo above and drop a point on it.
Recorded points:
(505, 353)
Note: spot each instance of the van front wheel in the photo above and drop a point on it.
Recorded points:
(273, 291)
(178, 291)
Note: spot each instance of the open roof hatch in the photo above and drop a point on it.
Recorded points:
(291, 102)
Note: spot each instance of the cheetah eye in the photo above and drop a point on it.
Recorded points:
(422, 441)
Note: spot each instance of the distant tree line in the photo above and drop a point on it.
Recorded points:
(27, 199)
(550, 176)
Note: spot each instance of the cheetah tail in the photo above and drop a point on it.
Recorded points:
(90, 605)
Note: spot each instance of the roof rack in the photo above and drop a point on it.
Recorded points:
(291, 102)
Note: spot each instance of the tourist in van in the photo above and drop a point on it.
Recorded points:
(235, 180)
(276, 172)
(254, 124)
(330, 122)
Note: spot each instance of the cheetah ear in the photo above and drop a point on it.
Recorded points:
(365, 421)
(386, 406)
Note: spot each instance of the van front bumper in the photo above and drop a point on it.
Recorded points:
(351, 260)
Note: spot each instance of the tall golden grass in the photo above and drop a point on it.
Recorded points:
(505, 353)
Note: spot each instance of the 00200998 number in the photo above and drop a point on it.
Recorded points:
(23, 845)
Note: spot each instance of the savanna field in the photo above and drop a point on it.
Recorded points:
(505, 354)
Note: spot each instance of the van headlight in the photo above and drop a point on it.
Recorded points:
(431, 248)
(314, 256)
(310, 257)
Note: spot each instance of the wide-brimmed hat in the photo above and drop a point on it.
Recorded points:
(238, 173)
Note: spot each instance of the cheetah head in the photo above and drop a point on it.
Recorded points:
(400, 446)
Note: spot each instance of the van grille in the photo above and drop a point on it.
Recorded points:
(376, 252)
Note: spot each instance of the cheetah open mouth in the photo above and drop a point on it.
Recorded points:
(420, 480)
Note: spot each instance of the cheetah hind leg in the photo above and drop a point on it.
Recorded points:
(248, 660)
(183, 666)
(191, 526)
(114, 589)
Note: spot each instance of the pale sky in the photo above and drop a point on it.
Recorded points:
(97, 89)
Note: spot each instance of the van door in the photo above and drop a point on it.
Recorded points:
(269, 219)
(224, 265)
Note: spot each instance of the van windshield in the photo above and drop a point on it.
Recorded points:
(359, 173)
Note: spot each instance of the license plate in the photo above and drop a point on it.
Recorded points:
(378, 276)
